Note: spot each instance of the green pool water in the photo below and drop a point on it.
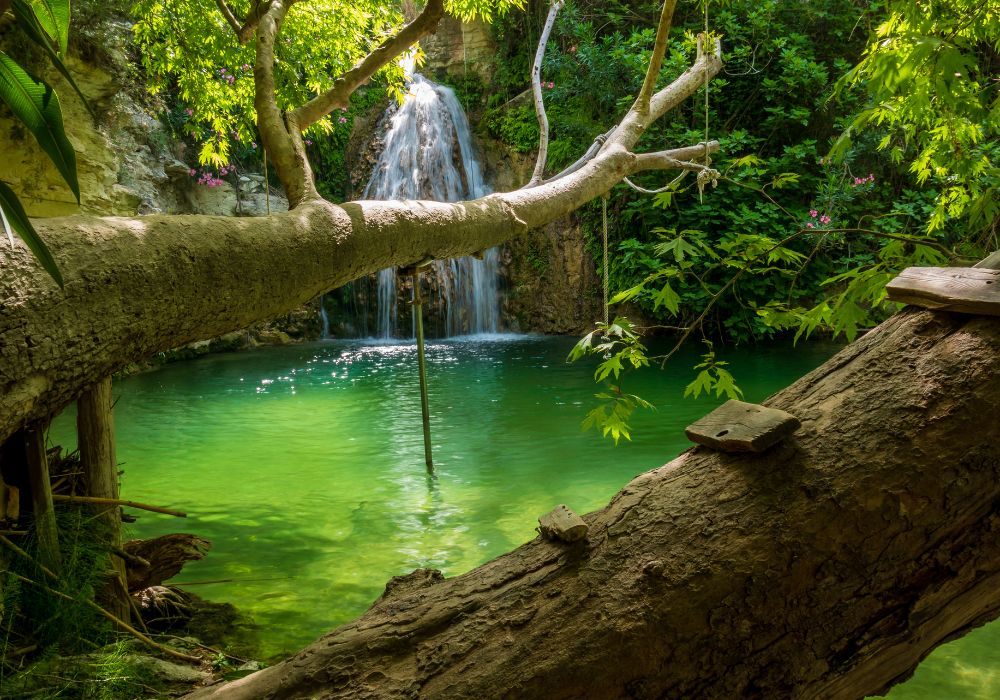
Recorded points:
(304, 466)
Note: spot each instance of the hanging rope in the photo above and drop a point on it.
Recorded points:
(604, 221)
(708, 161)
(669, 186)
(267, 187)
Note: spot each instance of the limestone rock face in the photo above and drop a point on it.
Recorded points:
(458, 48)
(554, 287)
(127, 162)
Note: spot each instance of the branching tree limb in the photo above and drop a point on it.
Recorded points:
(656, 60)
(244, 28)
(536, 91)
(338, 95)
(116, 310)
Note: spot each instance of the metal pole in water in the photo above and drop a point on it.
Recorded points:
(418, 314)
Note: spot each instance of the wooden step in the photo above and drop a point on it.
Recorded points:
(967, 290)
(736, 426)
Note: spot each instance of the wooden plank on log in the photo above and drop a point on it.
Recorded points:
(562, 524)
(736, 426)
(967, 290)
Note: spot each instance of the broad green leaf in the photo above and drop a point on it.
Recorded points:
(53, 16)
(13, 216)
(703, 382)
(29, 22)
(36, 105)
(611, 365)
(725, 384)
(630, 293)
(667, 298)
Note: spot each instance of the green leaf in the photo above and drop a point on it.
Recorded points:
(612, 364)
(29, 22)
(703, 382)
(12, 215)
(53, 16)
(36, 105)
(668, 298)
(725, 384)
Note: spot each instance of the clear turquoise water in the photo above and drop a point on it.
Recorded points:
(304, 466)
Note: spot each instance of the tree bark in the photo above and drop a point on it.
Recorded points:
(826, 567)
(95, 429)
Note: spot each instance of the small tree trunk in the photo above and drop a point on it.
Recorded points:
(96, 438)
(41, 497)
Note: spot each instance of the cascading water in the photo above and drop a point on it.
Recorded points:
(428, 154)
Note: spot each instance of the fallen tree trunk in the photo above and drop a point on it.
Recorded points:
(826, 567)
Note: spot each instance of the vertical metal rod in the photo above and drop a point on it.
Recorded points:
(418, 314)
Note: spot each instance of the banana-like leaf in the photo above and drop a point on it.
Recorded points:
(12, 215)
(53, 16)
(30, 24)
(36, 105)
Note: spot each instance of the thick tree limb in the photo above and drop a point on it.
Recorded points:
(826, 567)
(338, 95)
(281, 134)
(536, 91)
(138, 286)
(675, 159)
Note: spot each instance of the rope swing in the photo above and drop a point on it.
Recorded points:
(604, 220)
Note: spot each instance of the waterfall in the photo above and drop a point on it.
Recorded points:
(428, 154)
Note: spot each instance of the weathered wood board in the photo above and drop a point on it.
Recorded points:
(967, 290)
(562, 524)
(736, 426)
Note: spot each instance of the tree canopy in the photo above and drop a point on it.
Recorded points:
(189, 49)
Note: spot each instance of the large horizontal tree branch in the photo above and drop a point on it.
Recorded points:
(138, 286)
(339, 95)
(827, 567)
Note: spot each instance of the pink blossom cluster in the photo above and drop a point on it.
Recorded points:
(549, 85)
(824, 219)
(343, 119)
(858, 181)
(189, 112)
(209, 179)
(227, 76)
(309, 142)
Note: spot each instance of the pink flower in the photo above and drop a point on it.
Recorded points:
(809, 224)
(343, 109)
(572, 49)
(309, 142)
(246, 66)
(343, 120)
(824, 219)
(192, 172)
(253, 144)
(189, 112)
(813, 213)
(551, 85)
